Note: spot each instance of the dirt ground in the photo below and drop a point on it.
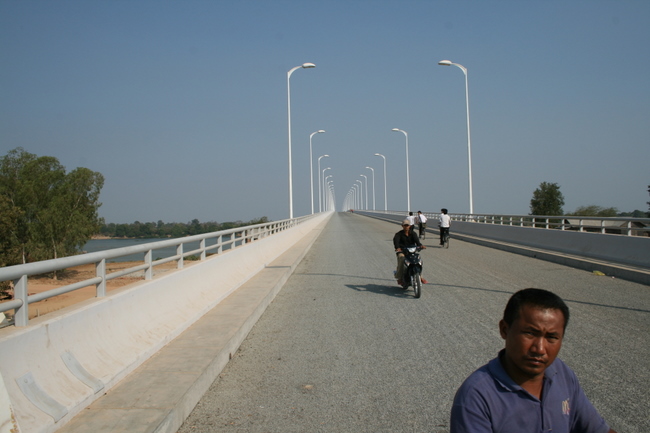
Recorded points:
(38, 284)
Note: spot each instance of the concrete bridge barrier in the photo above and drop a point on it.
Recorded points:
(621, 256)
(60, 363)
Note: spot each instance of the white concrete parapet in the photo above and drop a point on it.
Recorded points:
(60, 363)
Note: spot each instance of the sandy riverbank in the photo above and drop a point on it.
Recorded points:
(80, 273)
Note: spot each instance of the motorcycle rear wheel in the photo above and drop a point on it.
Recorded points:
(417, 284)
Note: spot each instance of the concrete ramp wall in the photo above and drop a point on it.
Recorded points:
(62, 362)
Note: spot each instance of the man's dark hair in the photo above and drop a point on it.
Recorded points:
(537, 298)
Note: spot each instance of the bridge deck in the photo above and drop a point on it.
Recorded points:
(342, 348)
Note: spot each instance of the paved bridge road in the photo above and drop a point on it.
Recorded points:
(343, 349)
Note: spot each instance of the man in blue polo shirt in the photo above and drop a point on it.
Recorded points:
(526, 388)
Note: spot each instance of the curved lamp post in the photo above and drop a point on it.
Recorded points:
(373, 186)
(469, 146)
(385, 194)
(325, 184)
(408, 178)
(311, 170)
(366, 178)
(323, 177)
(360, 193)
(330, 196)
(320, 200)
(305, 66)
(355, 186)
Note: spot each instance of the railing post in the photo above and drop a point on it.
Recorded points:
(179, 253)
(202, 246)
(100, 271)
(148, 273)
(21, 316)
(220, 244)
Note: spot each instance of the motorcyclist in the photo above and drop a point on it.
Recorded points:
(402, 239)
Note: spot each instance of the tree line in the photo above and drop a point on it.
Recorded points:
(549, 200)
(161, 229)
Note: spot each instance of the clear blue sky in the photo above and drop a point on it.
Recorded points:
(182, 106)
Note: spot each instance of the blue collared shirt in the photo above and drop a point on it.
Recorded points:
(490, 401)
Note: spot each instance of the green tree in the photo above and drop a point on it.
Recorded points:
(10, 215)
(636, 213)
(55, 212)
(594, 210)
(547, 200)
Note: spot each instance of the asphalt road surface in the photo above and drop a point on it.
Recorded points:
(344, 349)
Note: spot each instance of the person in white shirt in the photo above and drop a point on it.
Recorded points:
(411, 219)
(422, 224)
(444, 224)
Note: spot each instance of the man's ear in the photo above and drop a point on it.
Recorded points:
(503, 329)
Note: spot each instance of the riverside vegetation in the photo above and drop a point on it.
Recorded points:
(47, 212)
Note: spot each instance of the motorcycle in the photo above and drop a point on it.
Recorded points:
(412, 270)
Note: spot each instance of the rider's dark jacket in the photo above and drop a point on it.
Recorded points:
(400, 240)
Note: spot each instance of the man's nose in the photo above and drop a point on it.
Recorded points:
(539, 346)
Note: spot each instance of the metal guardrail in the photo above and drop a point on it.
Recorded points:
(224, 240)
(606, 225)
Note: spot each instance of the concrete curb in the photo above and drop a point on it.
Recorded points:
(159, 395)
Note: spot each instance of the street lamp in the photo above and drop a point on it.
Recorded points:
(408, 181)
(311, 170)
(347, 203)
(356, 195)
(360, 193)
(469, 147)
(373, 186)
(385, 194)
(330, 195)
(306, 66)
(319, 187)
(323, 177)
(366, 177)
(325, 183)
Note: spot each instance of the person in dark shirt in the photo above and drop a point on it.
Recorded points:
(526, 388)
(402, 239)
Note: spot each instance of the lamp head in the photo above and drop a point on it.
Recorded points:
(308, 65)
(320, 131)
(445, 63)
(395, 129)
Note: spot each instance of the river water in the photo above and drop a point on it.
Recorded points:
(94, 245)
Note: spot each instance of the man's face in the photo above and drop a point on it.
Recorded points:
(532, 342)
